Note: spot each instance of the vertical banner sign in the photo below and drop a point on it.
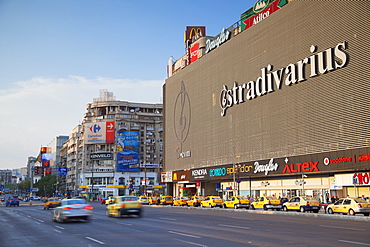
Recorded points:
(261, 10)
(109, 132)
(127, 151)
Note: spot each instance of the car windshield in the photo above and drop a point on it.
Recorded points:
(129, 199)
(143, 197)
(307, 198)
(271, 198)
(74, 202)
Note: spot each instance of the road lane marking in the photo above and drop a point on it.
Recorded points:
(97, 241)
(183, 234)
(241, 227)
(60, 227)
(55, 230)
(345, 228)
(126, 224)
(190, 242)
(167, 218)
(351, 242)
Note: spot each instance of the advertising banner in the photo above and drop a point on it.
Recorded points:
(344, 161)
(127, 151)
(100, 132)
(261, 10)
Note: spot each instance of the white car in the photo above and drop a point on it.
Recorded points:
(36, 198)
(72, 209)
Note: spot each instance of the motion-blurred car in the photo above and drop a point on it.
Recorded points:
(266, 203)
(349, 206)
(212, 201)
(72, 209)
(102, 200)
(144, 200)
(12, 202)
(180, 201)
(166, 200)
(237, 202)
(302, 204)
(36, 198)
(195, 201)
(124, 205)
(51, 203)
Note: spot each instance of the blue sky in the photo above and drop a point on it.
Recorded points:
(55, 56)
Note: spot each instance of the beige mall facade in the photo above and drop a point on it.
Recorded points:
(281, 108)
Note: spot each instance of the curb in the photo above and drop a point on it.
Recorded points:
(306, 214)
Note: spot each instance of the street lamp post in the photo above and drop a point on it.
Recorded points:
(303, 182)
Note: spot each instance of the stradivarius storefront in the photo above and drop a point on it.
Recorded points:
(280, 106)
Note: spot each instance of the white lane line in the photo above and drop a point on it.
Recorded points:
(167, 218)
(55, 230)
(126, 224)
(240, 227)
(190, 242)
(345, 228)
(351, 242)
(60, 227)
(97, 241)
(183, 234)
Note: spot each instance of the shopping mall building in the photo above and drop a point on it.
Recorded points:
(276, 104)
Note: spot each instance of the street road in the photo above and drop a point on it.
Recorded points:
(179, 226)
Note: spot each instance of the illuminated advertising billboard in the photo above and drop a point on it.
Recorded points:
(99, 132)
(127, 151)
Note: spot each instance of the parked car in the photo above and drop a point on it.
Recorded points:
(51, 203)
(36, 198)
(124, 205)
(102, 200)
(144, 200)
(302, 204)
(153, 200)
(237, 202)
(266, 203)
(195, 201)
(212, 201)
(12, 202)
(72, 209)
(349, 206)
(180, 201)
(166, 200)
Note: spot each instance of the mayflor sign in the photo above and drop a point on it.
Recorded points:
(269, 81)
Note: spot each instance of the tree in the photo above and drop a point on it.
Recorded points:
(46, 185)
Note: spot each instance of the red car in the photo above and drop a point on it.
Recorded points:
(102, 200)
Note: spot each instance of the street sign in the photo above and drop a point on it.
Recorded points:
(62, 171)
(34, 189)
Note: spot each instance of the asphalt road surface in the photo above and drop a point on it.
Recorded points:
(179, 226)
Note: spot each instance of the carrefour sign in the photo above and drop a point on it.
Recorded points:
(99, 132)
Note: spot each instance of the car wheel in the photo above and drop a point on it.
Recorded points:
(302, 210)
(351, 212)
(285, 208)
(265, 208)
(330, 211)
(252, 207)
(366, 214)
(236, 206)
(315, 211)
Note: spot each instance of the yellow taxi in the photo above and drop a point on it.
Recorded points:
(266, 203)
(124, 205)
(180, 201)
(237, 202)
(195, 201)
(109, 200)
(166, 200)
(144, 200)
(153, 200)
(302, 204)
(349, 206)
(212, 201)
(51, 203)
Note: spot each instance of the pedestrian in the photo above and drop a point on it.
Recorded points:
(363, 198)
(348, 196)
(332, 199)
